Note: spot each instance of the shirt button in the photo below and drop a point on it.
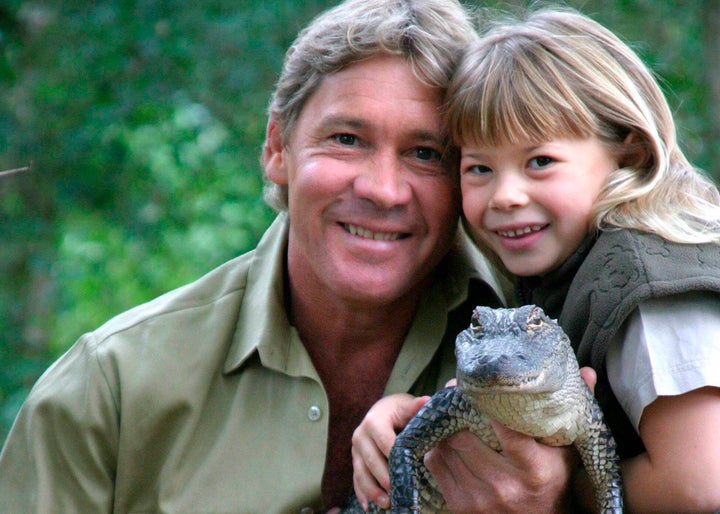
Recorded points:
(314, 413)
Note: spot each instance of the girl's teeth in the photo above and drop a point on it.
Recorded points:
(520, 231)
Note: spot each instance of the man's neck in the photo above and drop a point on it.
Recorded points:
(344, 337)
(354, 361)
(353, 349)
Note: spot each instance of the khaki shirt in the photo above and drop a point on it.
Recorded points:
(203, 400)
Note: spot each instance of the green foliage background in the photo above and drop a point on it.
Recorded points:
(143, 121)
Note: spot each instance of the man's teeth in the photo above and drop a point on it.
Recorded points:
(520, 231)
(380, 236)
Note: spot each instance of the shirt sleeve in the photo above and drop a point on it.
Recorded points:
(60, 453)
(668, 346)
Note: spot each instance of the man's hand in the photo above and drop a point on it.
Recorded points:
(525, 476)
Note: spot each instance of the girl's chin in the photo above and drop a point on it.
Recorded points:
(527, 269)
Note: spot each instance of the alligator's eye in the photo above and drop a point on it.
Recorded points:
(475, 324)
(535, 319)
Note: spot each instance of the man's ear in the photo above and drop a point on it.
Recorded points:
(273, 155)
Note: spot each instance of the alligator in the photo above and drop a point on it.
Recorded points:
(516, 366)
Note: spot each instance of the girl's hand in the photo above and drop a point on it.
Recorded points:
(371, 444)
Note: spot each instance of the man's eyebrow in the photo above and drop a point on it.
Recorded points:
(432, 137)
(340, 120)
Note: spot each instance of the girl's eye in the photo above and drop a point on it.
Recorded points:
(479, 169)
(541, 161)
(345, 139)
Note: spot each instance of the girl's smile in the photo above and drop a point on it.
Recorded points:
(520, 238)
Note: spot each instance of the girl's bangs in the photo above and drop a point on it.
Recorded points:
(527, 101)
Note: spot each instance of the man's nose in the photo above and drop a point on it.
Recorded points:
(384, 181)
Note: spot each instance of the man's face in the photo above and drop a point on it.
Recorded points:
(372, 208)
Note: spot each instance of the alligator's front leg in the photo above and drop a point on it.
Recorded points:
(412, 487)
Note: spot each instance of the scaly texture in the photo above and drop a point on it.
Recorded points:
(515, 366)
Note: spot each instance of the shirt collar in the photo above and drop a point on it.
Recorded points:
(262, 324)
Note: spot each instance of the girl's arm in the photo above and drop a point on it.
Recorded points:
(662, 366)
(680, 470)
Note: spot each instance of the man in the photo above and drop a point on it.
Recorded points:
(240, 392)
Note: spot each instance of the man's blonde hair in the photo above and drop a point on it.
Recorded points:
(429, 34)
(556, 74)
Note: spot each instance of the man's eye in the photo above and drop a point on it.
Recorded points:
(541, 161)
(427, 154)
(345, 139)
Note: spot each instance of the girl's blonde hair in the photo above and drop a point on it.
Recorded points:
(558, 74)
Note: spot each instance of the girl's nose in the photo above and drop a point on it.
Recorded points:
(509, 193)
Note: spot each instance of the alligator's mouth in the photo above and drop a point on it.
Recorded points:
(540, 382)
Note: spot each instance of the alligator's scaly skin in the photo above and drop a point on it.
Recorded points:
(517, 367)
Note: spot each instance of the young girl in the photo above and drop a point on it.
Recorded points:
(571, 174)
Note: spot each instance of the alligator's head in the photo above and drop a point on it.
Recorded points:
(512, 351)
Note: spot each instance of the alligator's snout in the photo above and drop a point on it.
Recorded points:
(497, 370)
(490, 365)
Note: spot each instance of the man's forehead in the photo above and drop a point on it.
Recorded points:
(390, 95)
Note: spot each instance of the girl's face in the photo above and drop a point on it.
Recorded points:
(532, 204)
